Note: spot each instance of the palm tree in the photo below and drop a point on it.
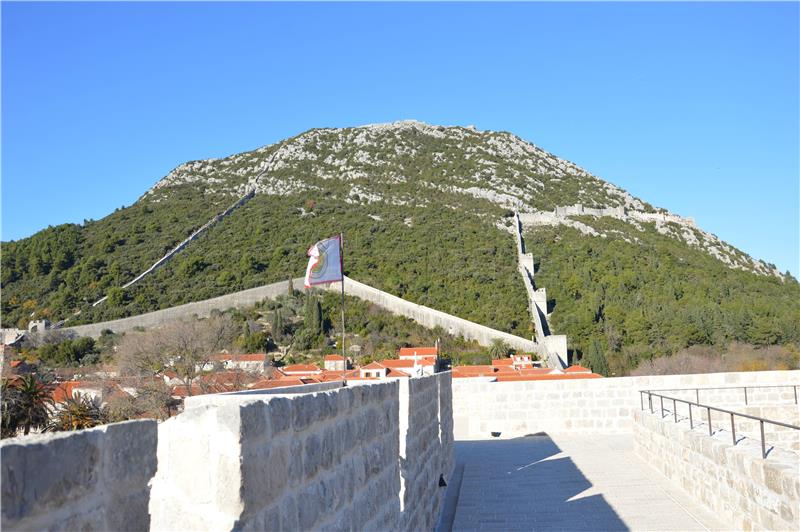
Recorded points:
(33, 402)
(77, 412)
(10, 410)
(499, 349)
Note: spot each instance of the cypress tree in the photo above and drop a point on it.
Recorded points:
(277, 325)
(596, 359)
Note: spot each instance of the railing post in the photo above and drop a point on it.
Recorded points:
(745, 395)
(662, 406)
(709, 420)
(650, 400)
(733, 430)
(691, 425)
(795, 394)
(641, 399)
(697, 395)
(675, 410)
(763, 445)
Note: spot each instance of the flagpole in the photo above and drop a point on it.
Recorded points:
(341, 259)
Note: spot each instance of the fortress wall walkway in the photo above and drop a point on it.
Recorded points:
(567, 482)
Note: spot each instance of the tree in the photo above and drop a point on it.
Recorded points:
(290, 289)
(313, 316)
(185, 346)
(26, 404)
(76, 413)
(499, 349)
(277, 325)
(116, 296)
(596, 359)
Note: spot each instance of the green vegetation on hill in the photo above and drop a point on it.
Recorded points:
(436, 257)
(637, 301)
(421, 208)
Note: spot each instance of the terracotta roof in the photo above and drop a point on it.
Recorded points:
(374, 365)
(334, 358)
(536, 371)
(420, 351)
(336, 375)
(577, 369)
(266, 384)
(391, 363)
(301, 368)
(15, 363)
(503, 362)
(474, 371)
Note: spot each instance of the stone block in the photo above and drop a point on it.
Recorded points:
(279, 414)
(36, 477)
(130, 453)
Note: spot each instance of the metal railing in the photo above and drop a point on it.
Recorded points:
(743, 388)
(708, 408)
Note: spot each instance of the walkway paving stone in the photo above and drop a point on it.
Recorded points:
(560, 482)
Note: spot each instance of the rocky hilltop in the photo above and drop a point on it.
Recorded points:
(410, 163)
(427, 214)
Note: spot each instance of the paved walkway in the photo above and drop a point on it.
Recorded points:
(570, 483)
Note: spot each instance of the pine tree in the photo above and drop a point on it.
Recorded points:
(596, 359)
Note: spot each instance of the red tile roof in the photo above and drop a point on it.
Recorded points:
(420, 351)
(391, 363)
(301, 368)
(374, 365)
(577, 369)
(503, 362)
(474, 371)
(334, 358)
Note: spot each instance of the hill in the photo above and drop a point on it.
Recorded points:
(425, 211)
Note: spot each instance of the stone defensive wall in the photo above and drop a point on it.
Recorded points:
(95, 479)
(742, 489)
(201, 309)
(594, 406)
(432, 318)
(362, 457)
(423, 315)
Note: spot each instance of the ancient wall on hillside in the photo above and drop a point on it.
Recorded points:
(93, 479)
(423, 315)
(434, 318)
(588, 405)
(553, 347)
(199, 308)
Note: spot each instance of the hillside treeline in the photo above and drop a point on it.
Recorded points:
(637, 301)
(441, 258)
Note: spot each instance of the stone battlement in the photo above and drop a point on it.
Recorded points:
(368, 456)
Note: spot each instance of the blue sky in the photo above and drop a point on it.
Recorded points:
(692, 107)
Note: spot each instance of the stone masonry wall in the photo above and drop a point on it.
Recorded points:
(432, 318)
(423, 315)
(199, 308)
(426, 448)
(602, 406)
(329, 460)
(95, 479)
(743, 490)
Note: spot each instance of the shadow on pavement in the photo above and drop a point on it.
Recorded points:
(521, 484)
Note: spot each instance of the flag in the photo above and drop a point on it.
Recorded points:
(325, 262)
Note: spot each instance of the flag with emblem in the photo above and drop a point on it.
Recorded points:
(324, 262)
